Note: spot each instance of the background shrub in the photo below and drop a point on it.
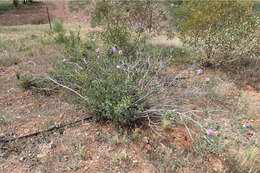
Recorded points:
(219, 31)
(57, 26)
(123, 20)
(57, 32)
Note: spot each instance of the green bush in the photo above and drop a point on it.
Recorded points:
(111, 84)
(25, 81)
(126, 21)
(57, 26)
(220, 32)
(118, 36)
(59, 35)
(34, 82)
(57, 32)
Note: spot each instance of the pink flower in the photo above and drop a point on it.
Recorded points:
(98, 56)
(199, 71)
(118, 66)
(131, 56)
(65, 60)
(120, 52)
(210, 132)
(113, 49)
(97, 50)
(207, 79)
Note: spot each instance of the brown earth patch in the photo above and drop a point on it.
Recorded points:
(36, 13)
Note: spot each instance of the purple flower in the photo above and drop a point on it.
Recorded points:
(207, 79)
(118, 66)
(97, 50)
(131, 56)
(245, 126)
(65, 60)
(199, 71)
(120, 52)
(113, 49)
(210, 132)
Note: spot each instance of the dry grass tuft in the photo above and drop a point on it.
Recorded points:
(225, 89)
(250, 160)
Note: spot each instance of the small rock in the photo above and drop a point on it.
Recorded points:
(41, 155)
(138, 130)
(148, 147)
(135, 161)
(2, 154)
(163, 147)
(146, 140)
(66, 158)
(22, 159)
(52, 145)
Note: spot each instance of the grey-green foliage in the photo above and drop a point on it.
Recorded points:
(113, 84)
(57, 32)
(60, 35)
(57, 26)
(218, 32)
(25, 81)
(126, 21)
(2, 119)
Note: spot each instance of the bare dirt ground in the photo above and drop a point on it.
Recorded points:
(89, 146)
(37, 14)
(85, 149)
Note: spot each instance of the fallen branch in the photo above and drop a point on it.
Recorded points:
(56, 127)
(54, 81)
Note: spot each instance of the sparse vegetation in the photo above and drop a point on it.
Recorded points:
(121, 156)
(118, 82)
(220, 32)
(2, 119)
(155, 107)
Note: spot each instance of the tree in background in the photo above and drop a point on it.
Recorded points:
(123, 20)
(220, 31)
(15, 2)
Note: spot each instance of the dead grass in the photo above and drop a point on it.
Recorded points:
(250, 160)
(163, 40)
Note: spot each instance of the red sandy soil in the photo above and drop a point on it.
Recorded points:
(37, 14)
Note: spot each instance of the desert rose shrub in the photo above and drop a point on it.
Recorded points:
(114, 79)
(109, 83)
(219, 32)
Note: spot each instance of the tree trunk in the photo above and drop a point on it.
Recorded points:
(15, 2)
